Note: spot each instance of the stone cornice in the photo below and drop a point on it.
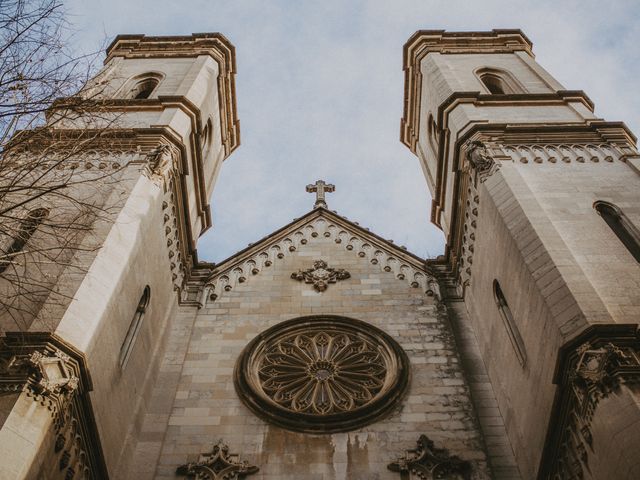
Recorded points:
(214, 45)
(613, 138)
(424, 42)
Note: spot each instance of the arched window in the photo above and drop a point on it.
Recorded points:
(141, 86)
(621, 226)
(432, 133)
(509, 323)
(27, 228)
(499, 82)
(134, 327)
(206, 136)
(493, 83)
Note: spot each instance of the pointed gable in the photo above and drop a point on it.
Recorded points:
(319, 223)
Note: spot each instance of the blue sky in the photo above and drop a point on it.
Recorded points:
(320, 91)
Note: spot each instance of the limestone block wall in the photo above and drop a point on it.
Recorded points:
(561, 270)
(195, 403)
(566, 191)
(132, 256)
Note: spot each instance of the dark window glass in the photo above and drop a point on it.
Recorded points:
(621, 226)
(494, 84)
(509, 323)
(144, 88)
(134, 327)
(27, 228)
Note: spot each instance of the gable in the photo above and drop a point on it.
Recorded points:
(301, 237)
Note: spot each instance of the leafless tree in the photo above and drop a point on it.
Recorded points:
(50, 120)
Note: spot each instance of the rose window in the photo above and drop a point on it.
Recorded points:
(322, 374)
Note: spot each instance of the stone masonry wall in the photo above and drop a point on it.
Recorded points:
(195, 404)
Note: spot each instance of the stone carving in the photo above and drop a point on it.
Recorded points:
(321, 374)
(44, 374)
(321, 275)
(217, 465)
(54, 375)
(430, 463)
(320, 188)
(481, 160)
(158, 161)
(591, 372)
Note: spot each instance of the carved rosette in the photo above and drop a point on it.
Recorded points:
(217, 465)
(321, 275)
(430, 463)
(322, 374)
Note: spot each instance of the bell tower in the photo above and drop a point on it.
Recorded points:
(75, 385)
(539, 200)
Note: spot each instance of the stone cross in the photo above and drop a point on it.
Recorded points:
(320, 188)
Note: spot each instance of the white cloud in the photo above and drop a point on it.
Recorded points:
(320, 90)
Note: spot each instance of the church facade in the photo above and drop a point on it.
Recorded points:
(323, 351)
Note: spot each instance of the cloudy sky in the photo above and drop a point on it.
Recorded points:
(320, 90)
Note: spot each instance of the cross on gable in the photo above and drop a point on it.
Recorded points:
(320, 188)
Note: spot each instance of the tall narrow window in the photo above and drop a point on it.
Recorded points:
(509, 323)
(134, 327)
(26, 229)
(626, 231)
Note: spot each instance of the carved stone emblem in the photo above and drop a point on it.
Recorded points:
(481, 160)
(322, 374)
(321, 275)
(217, 465)
(430, 463)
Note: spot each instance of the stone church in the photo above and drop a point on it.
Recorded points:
(323, 351)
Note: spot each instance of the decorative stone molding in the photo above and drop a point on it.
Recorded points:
(322, 374)
(54, 374)
(584, 153)
(218, 465)
(603, 360)
(469, 227)
(322, 224)
(480, 160)
(321, 275)
(430, 463)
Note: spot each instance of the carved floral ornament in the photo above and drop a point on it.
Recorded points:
(321, 275)
(322, 374)
(218, 465)
(430, 463)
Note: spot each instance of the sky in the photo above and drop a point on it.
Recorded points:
(320, 92)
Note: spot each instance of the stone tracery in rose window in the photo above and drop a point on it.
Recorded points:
(322, 374)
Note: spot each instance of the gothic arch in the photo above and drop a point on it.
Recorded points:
(498, 81)
(618, 222)
(141, 86)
